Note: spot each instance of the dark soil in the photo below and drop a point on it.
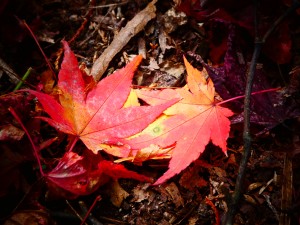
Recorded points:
(198, 195)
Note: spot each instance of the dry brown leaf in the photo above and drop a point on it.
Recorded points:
(117, 194)
(141, 193)
(10, 132)
(191, 179)
(34, 217)
(173, 191)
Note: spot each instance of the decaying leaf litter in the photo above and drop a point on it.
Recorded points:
(181, 200)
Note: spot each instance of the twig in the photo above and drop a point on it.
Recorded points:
(247, 139)
(296, 5)
(74, 210)
(246, 133)
(133, 27)
(108, 5)
(80, 29)
(88, 212)
(39, 46)
(286, 190)
(77, 33)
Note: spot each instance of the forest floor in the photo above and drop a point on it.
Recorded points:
(200, 193)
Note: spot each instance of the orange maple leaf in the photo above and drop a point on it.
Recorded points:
(97, 115)
(190, 123)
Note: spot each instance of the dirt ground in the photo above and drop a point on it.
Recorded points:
(199, 194)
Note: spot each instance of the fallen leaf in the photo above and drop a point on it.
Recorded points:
(47, 80)
(116, 171)
(82, 175)
(10, 132)
(141, 193)
(29, 217)
(151, 152)
(191, 123)
(96, 115)
(132, 100)
(74, 175)
(117, 194)
(267, 109)
(174, 192)
(191, 179)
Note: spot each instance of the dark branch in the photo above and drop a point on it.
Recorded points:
(246, 134)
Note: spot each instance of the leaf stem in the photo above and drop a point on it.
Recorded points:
(253, 93)
(73, 143)
(39, 46)
(35, 149)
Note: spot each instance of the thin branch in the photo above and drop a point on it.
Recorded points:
(132, 28)
(246, 134)
(295, 6)
(88, 212)
(39, 46)
(247, 139)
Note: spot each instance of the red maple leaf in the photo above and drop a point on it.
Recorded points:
(82, 175)
(96, 115)
(190, 123)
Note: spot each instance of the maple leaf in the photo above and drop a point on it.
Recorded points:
(96, 115)
(267, 109)
(82, 175)
(72, 175)
(190, 123)
(151, 152)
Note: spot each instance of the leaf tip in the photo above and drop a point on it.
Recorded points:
(65, 45)
(136, 61)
